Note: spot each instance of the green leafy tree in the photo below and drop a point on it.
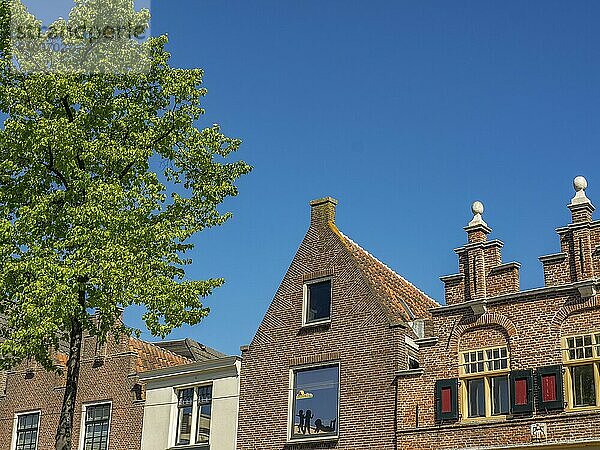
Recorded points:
(88, 225)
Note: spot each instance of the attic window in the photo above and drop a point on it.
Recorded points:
(317, 302)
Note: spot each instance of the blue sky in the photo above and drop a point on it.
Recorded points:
(405, 112)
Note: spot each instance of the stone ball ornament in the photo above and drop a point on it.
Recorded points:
(477, 208)
(580, 183)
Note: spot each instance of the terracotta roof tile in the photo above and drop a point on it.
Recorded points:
(403, 300)
(151, 357)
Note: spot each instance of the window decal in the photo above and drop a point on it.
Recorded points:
(315, 406)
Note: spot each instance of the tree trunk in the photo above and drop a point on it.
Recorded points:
(65, 426)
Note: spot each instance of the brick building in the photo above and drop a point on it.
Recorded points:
(506, 368)
(350, 355)
(110, 403)
(320, 371)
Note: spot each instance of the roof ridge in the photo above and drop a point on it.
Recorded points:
(387, 267)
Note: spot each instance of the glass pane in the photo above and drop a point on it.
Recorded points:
(205, 394)
(204, 415)
(185, 397)
(316, 402)
(500, 402)
(96, 427)
(584, 390)
(184, 427)
(319, 301)
(476, 394)
(27, 425)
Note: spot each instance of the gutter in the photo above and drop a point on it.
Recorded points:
(186, 369)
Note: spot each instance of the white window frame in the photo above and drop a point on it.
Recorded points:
(13, 444)
(291, 403)
(305, 322)
(84, 408)
(175, 415)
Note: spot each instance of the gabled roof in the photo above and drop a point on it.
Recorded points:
(402, 300)
(151, 356)
(191, 349)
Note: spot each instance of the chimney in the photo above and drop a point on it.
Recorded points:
(322, 211)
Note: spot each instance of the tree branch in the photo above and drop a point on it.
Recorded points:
(50, 166)
(65, 102)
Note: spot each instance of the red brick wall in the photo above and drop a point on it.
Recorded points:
(359, 336)
(532, 325)
(111, 381)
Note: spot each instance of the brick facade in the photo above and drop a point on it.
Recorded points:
(366, 337)
(530, 323)
(376, 325)
(108, 374)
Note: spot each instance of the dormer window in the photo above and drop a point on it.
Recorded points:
(317, 302)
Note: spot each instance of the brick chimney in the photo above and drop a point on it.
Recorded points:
(322, 211)
(481, 271)
(579, 259)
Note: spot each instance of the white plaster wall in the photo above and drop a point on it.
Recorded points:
(160, 409)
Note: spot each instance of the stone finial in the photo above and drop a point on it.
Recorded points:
(477, 209)
(580, 184)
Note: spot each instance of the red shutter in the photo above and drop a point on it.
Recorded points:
(446, 400)
(521, 392)
(549, 388)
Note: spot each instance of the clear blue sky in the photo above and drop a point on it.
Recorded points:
(404, 111)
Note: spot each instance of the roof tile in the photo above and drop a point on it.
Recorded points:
(403, 300)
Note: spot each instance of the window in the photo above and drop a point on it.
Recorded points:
(485, 382)
(185, 403)
(97, 424)
(204, 413)
(582, 358)
(194, 407)
(315, 402)
(27, 431)
(317, 302)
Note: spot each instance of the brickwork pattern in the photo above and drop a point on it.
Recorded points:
(359, 337)
(532, 324)
(108, 373)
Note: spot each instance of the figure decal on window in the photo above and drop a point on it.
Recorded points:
(320, 428)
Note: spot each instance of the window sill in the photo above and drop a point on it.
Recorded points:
(308, 440)
(410, 372)
(491, 419)
(190, 447)
(583, 409)
(320, 323)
